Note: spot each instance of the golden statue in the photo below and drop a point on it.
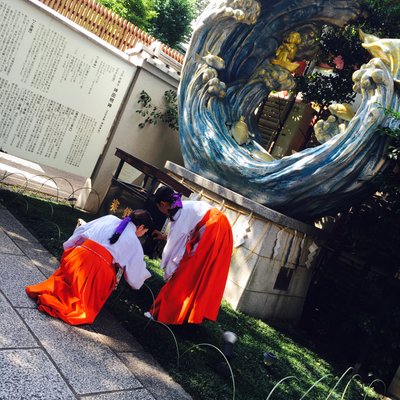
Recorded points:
(287, 51)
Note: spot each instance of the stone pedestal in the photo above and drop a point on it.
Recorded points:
(273, 257)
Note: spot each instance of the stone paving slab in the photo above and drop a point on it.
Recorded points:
(28, 374)
(87, 364)
(41, 259)
(139, 394)
(7, 245)
(27, 243)
(16, 230)
(16, 273)
(110, 333)
(13, 331)
(148, 371)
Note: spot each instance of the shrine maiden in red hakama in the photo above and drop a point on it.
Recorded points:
(78, 289)
(196, 260)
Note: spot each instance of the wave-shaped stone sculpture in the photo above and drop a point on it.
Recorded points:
(227, 73)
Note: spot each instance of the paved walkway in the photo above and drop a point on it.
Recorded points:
(43, 358)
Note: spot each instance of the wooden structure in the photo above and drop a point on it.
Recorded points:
(123, 197)
(153, 176)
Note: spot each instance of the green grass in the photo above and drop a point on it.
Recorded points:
(52, 223)
(197, 373)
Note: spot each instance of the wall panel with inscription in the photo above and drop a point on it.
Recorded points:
(60, 90)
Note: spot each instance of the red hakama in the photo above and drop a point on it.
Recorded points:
(194, 292)
(78, 289)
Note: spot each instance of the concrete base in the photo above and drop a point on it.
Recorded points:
(273, 255)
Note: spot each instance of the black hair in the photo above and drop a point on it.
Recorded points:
(164, 193)
(138, 217)
(142, 217)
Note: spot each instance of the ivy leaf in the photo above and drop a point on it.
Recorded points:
(168, 116)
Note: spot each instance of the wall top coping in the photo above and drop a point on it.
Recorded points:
(246, 203)
(141, 54)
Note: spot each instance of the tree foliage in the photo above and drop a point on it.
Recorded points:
(167, 20)
(379, 17)
(139, 12)
(325, 90)
(171, 23)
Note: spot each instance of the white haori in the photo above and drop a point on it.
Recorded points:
(127, 252)
(181, 229)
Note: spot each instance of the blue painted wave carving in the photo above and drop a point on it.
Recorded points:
(228, 72)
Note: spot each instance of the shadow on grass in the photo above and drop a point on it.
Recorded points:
(197, 371)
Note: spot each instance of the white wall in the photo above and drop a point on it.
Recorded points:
(68, 99)
(153, 144)
(60, 89)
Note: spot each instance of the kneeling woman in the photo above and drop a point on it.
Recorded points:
(196, 260)
(78, 289)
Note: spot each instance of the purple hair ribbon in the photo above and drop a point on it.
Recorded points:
(176, 200)
(122, 225)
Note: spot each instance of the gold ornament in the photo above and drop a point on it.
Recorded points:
(114, 206)
(287, 51)
(127, 211)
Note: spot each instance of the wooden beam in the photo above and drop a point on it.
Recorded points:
(153, 172)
